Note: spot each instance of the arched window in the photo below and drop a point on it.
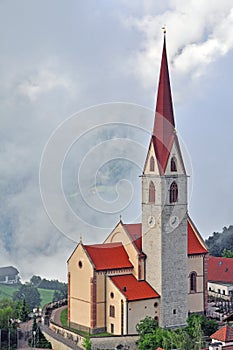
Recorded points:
(193, 282)
(152, 193)
(152, 164)
(173, 164)
(173, 192)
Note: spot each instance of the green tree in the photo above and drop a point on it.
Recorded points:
(23, 311)
(30, 294)
(87, 343)
(194, 329)
(38, 340)
(8, 310)
(227, 253)
(60, 294)
(150, 335)
(147, 325)
(219, 241)
(35, 280)
(209, 326)
(190, 338)
(5, 315)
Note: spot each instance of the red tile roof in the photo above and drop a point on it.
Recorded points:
(108, 256)
(133, 289)
(196, 244)
(164, 125)
(220, 269)
(224, 334)
(135, 232)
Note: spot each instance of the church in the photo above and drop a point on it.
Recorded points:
(156, 268)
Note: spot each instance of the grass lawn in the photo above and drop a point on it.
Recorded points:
(7, 291)
(63, 319)
(46, 296)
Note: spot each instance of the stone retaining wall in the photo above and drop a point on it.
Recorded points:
(67, 334)
(111, 342)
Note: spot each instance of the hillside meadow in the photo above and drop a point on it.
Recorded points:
(7, 291)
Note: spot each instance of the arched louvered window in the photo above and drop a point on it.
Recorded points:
(152, 164)
(173, 192)
(193, 282)
(152, 193)
(173, 164)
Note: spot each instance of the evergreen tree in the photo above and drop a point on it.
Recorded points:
(38, 339)
(24, 311)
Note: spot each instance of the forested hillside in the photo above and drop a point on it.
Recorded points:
(221, 243)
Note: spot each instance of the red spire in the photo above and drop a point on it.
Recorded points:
(164, 125)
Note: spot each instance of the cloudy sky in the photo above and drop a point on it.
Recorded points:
(69, 169)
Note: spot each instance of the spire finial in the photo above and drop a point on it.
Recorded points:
(164, 29)
(120, 217)
(81, 238)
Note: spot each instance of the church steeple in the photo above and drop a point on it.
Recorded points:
(164, 210)
(164, 124)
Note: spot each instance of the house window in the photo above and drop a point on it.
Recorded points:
(152, 193)
(152, 164)
(219, 291)
(80, 264)
(174, 311)
(173, 164)
(193, 282)
(112, 295)
(112, 328)
(223, 292)
(112, 311)
(173, 192)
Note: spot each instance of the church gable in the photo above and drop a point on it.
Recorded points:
(175, 164)
(151, 164)
(130, 236)
(118, 234)
(78, 258)
(124, 233)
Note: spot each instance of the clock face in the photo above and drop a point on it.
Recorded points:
(151, 221)
(174, 221)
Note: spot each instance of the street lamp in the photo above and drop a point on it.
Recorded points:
(34, 339)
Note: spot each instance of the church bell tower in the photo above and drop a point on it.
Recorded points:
(164, 210)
